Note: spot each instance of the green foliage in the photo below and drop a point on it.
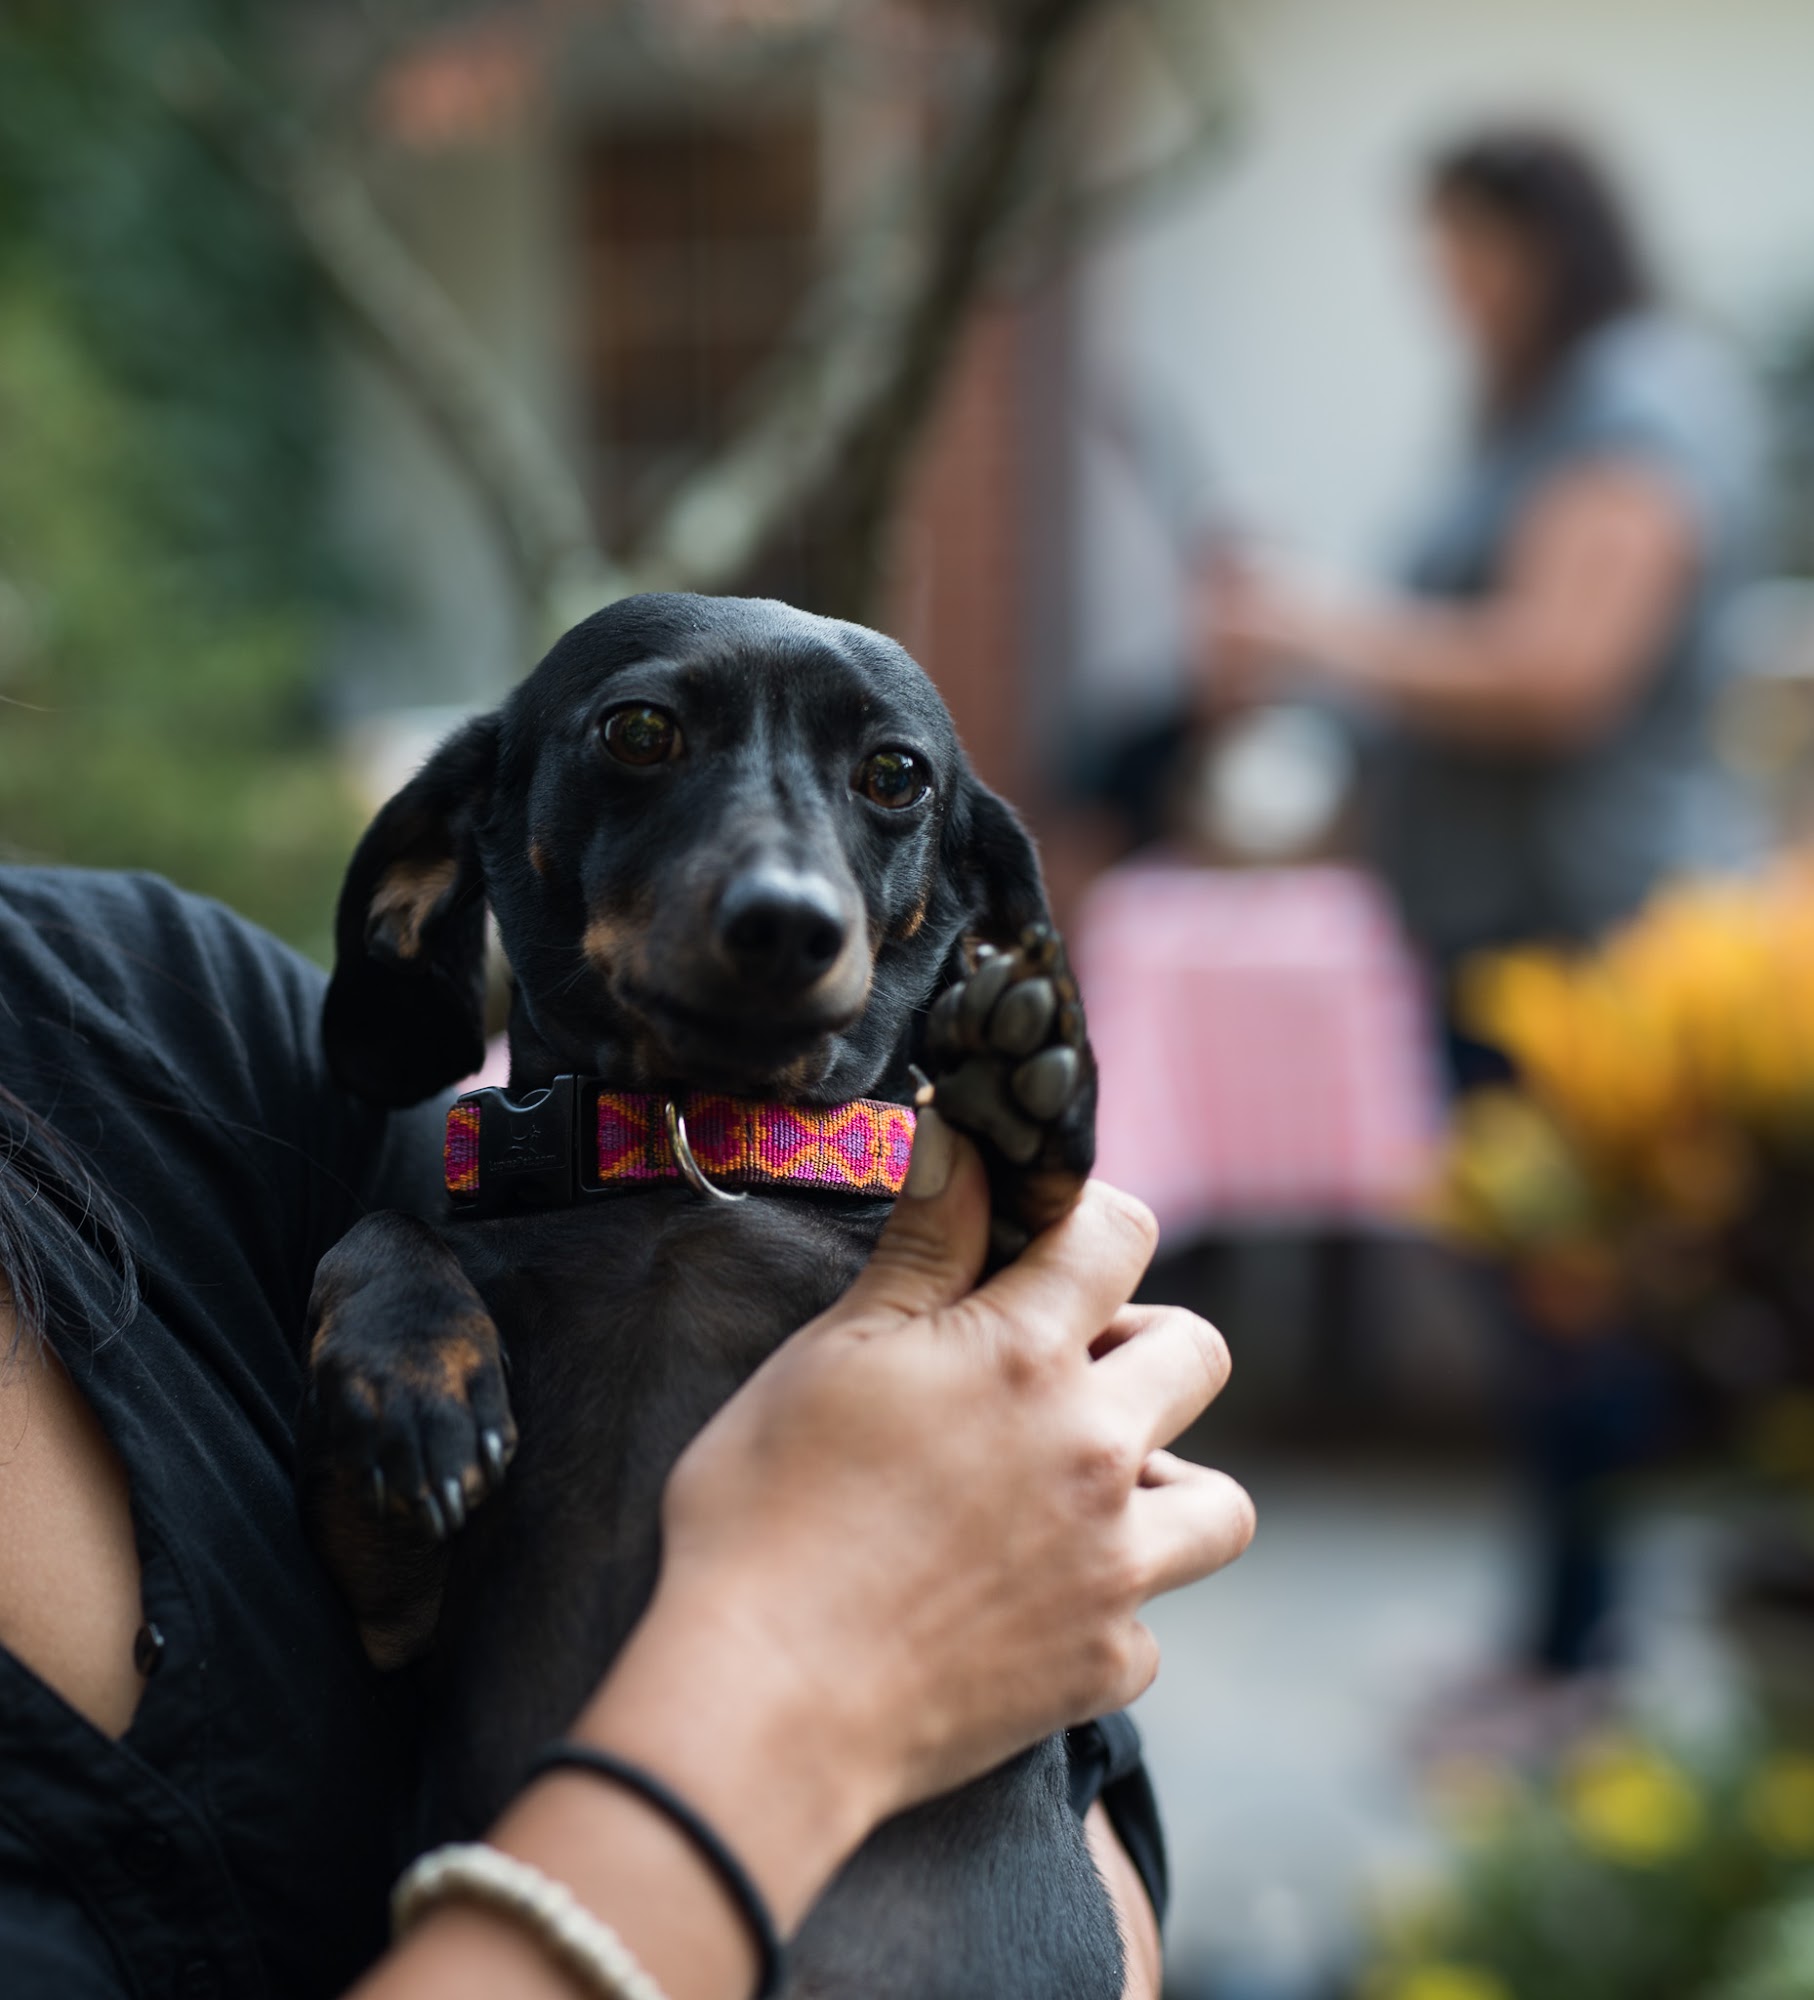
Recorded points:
(183, 278)
(1633, 1877)
(161, 576)
(1773, 1958)
(144, 721)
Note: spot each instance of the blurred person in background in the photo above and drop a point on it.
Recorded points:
(1541, 689)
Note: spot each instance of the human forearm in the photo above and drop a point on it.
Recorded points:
(639, 1878)
(781, 1767)
(732, 1731)
(1492, 674)
(682, 1928)
(1548, 659)
(1478, 672)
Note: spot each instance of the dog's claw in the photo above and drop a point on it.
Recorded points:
(409, 1409)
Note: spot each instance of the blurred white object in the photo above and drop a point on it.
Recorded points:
(385, 751)
(1276, 782)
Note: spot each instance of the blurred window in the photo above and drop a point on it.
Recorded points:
(700, 241)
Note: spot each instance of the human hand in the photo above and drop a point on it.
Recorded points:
(937, 1511)
(1229, 630)
(1254, 625)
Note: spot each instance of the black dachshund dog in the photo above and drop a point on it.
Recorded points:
(731, 850)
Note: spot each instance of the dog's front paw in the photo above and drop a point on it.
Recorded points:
(1011, 1066)
(416, 1417)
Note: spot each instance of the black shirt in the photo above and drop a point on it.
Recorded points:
(241, 1838)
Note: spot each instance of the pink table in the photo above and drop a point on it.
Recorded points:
(1265, 1045)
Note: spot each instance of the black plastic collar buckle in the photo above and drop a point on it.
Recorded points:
(528, 1149)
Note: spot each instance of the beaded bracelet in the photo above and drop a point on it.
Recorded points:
(576, 1940)
(752, 1906)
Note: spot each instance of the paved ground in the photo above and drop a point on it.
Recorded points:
(1290, 1685)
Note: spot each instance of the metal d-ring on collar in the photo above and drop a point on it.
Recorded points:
(690, 1168)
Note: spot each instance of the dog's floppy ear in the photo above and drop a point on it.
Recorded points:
(405, 1010)
(997, 863)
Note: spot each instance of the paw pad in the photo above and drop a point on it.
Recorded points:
(1011, 1066)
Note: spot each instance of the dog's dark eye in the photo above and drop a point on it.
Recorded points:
(641, 735)
(892, 778)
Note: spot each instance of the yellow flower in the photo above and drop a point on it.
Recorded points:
(1510, 1176)
(1779, 1805)
(1446, 1982)
(1660, 1075)
(1631, 1805)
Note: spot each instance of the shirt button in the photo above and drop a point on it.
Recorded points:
(199, 1980)
(148, 1649)
(148, 1855)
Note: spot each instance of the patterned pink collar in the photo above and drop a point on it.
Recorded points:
(556, 1146)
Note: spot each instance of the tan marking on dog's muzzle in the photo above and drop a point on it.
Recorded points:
(843, 971)
(608, 940)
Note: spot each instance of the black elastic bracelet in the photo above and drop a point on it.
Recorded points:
(751, 1904)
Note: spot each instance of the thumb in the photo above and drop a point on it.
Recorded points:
(931, 1253)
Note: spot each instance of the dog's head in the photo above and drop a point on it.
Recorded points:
(728, 846)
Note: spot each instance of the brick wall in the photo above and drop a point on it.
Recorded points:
(955, 597)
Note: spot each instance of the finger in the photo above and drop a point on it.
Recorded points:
(1135, 1671)
(1165, 1373)
(1193, 1523)
(931, 1252)
(1126, 1323)
(1072, 1279)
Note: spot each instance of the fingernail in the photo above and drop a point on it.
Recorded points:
(934, 1149)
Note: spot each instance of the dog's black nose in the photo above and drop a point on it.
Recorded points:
(781, 928)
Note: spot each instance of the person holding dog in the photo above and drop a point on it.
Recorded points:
(916, 1541)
